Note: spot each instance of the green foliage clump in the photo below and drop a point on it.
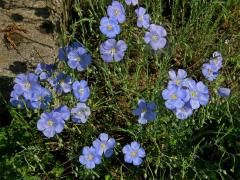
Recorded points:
(205, 146)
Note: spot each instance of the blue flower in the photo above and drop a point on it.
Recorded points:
(17, 100)
(184, 112)
(133, 153)
(209, 71)
(81, 90)
(183, 95)
(40, 99)
(224, 92)
(26, 84)
(79, 59)
(104, 145)
(117, 11)
(27, 91)
(111, 50)
(156, 37)
(89, 158)
(80, 113)
(145, 111)
(63, 111)
(216, 60)
(50, 124)
(133, 2)
(177, 79)
(197, 92)
(175, 96)
(143, 19)
(62, 83)
(44, 71)
(63, 52)
(109, 27)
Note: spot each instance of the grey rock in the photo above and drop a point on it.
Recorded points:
(42, 20)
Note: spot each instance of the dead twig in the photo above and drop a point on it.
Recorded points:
(9, 31)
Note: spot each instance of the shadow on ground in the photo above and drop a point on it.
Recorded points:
(2, 3)
(18, 67)
(6, 84)
(17, 17)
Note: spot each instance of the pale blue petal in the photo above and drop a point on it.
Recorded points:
(142, 120)
(224, 92)
(172, 75)
(141, 153)
(203, 99)
(201, 87)
(181, 74)
(135, 145)
(103, 137)
(128, 158)
(59, 127)
(137, 161)
(118, 56)
(166, 94)
(137, 111)
(108, 153)
(49, 132)
(104, 21)
(150, 115)
(97, 159)
(169, 104)
(126, 149)
(121, 45)
(85, 150)
(178, 103)
(96, 143)
(90, 165)
(111, 143)
(107, 57)
(151, 106)
(41, 124)
(194, 103)
(82, 160)
(147, 37)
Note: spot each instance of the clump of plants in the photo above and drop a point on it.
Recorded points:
(61, 98)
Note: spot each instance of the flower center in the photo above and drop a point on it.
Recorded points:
(78, 58)
(40, 98)
(210, 71)
(109, 27)
(194, 94)
(27, 85)
(140, 18)
(81, 91)
(173, 96)
(90, 157)
(133, 153)
(154, 37)
(62, 82)
(103, 146)
(81, 111)
(144, 110)
(177, 82)
(50, 123)
(113, 50)
(116, 12)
